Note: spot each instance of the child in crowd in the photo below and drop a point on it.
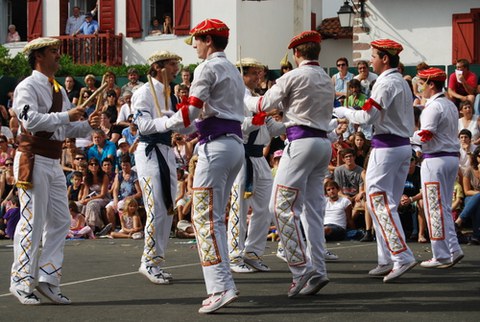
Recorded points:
(184, 198)
(74, 189)
(78, 228)
(12, 216)
(130, 220)
(338, 213)
(276, 160)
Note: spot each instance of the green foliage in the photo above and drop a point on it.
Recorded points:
(16, 67)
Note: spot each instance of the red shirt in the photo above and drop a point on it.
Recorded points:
(457, 87)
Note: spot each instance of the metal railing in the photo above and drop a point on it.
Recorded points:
(104, 48)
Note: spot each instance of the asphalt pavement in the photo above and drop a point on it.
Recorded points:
(102, 280)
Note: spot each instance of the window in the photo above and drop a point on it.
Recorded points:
(157, 9)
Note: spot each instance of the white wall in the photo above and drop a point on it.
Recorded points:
(332, 49)
(424, 28)
(51, 18)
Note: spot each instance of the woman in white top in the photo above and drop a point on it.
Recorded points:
(469, 121)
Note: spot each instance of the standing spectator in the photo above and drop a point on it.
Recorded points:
(264, 83)
(155, 27)
(462, 83)
(340, 80)
(186, 80)
(167, 27)
(389, 110)
(88, 27)
(76, 20)
(42, 105)
(133, 81)
(12, 35)
(418, 84)
(72, 92)
(12, 216)
(365, 76)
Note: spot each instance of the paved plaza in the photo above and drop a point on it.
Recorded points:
(101, 278)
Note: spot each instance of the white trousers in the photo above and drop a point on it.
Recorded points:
(385, 178)
(218, 164)
(44, 216)
(256, 239)
(438, 180)
(159, 223)
(298, 196)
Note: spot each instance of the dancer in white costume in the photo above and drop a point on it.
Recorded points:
(155, 160)
(389, 109)
(217, 92)
(253, 185)
(306, 96)
(440, 145)
(45, 116)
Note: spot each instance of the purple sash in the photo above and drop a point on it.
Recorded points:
(440, 154)
(388, 141)
(301, 131)
(214, 127)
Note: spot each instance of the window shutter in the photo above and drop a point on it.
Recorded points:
(134, 18)
(63, 15)
(182, 17)
(34, 19)
(465, 33)
(107, 16)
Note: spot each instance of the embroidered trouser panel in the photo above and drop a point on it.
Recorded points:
(385, 178)
(438, 180)
(44, 216)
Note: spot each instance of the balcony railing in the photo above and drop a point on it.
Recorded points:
(104, 48)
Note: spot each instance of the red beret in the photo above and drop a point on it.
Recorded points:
(392, 47)
(433, 73)
(304, 37)
(213, 27)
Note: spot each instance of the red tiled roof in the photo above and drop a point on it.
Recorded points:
(330, 29)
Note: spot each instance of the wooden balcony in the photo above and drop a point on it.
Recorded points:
(104, 48)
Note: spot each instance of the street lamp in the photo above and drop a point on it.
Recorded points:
(347, 13)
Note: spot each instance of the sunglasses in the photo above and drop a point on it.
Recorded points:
(93, 164)
(9, 164)
(79, 158)
(340, 65)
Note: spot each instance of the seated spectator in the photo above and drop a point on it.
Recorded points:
(85, 94)
(186, 78)
(78, 157)
(338, 213)
(133, 76)
(6, 151)
(111, 80)
(275, 161)
(125, 186)
(264, 83)
(410, 208)
(285, 67)
(112, 131)
(109, 168)
(130, 133)
(155, 27)
(12, 216)
(167, 27)
(185, 229)
(110, 106)
(469, 121)
(338, 144)
(130, 221)
(72, 93)
(183, 150)
(78, 227)
(102, 148)
(183, 200)
(348, 176)
(76, 186)
(471, 186)
(462, 83)
(124, 150)
(466, 149)
(90, 81)
(340, 80)
(68, 155)
(365, 76)
(94, 196)
(123, 119)
(7, 181)
(457, 201)
(361, 147)
(12, 34)
(417, 84)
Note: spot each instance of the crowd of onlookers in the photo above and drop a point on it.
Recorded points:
(104, 193)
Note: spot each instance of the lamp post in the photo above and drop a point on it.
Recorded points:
(345, 15)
